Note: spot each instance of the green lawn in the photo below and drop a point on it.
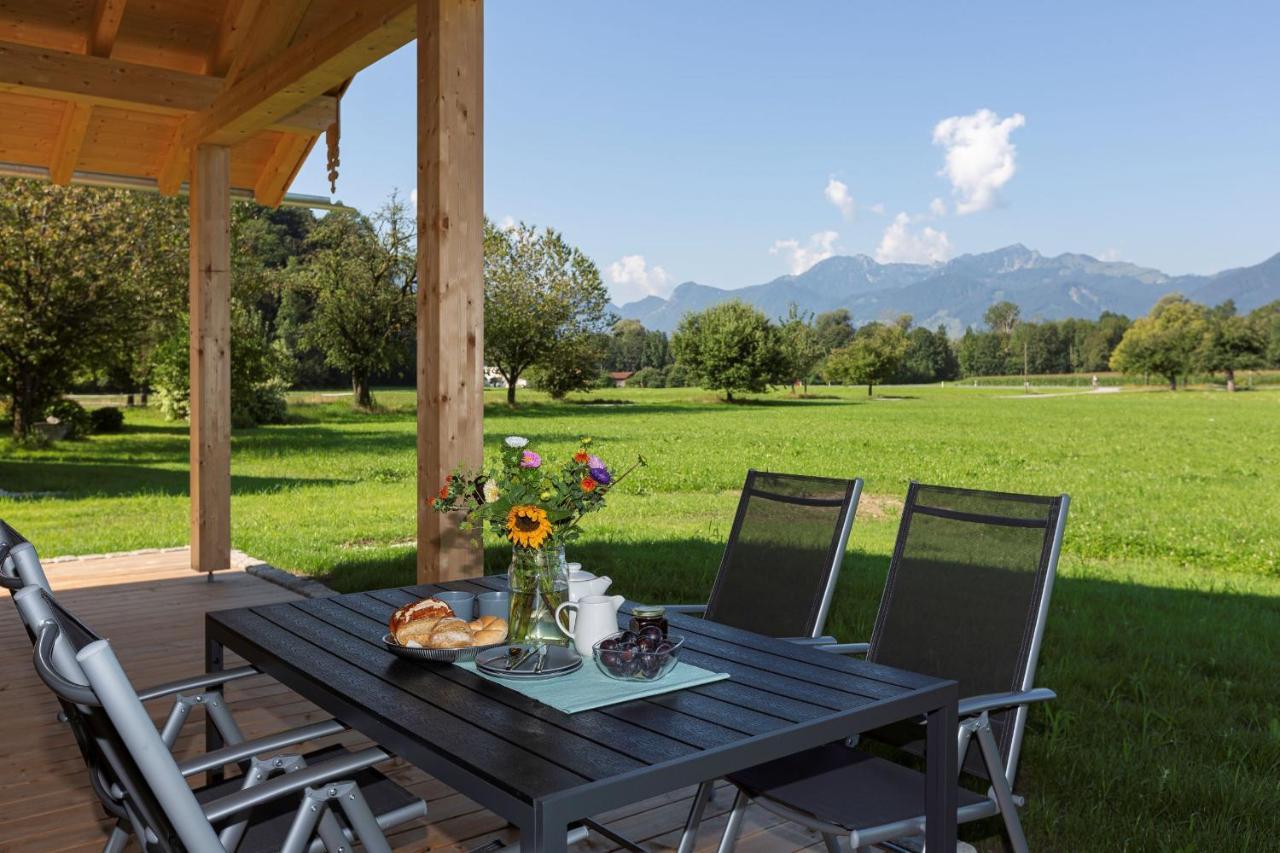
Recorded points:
(1164, 635)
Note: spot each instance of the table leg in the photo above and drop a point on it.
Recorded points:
(212, 737)
(941, 778)
(546, 834)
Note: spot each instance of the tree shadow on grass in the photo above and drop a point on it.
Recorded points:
(1164, 695)
(77, 481)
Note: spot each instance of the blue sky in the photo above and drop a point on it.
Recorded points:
(722, 142)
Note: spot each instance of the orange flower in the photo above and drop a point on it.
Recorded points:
(588, 484)
(444, 493)
(581, 456)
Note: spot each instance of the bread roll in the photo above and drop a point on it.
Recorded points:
(449, 633)
(489, 623)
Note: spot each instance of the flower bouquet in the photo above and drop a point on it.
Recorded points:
(538, 507)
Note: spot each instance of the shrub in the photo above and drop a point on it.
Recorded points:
(677, 376)
(106, 419)
(648, 377)
(73, 415)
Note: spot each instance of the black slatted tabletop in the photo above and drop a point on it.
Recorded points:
(541, 768)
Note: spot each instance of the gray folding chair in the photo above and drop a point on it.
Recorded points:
(325, 800)
(966, 598)
(779, 569)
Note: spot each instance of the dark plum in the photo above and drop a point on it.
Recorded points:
(650, 666)
(664, 647)
(608, 645)
(652, 633)
(626, 637)
(648, 644)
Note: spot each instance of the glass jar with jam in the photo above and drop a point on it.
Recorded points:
(643, 617)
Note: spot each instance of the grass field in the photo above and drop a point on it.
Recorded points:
(1163, 638)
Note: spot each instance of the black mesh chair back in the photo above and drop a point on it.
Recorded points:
(967, 594)
(120, 785)
(779, 569)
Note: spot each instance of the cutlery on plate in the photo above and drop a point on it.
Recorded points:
(542, 658)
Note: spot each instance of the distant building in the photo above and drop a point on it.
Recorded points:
(620, 377)
(494, 379)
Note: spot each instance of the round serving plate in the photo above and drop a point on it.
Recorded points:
(434, 655)
(560, 661)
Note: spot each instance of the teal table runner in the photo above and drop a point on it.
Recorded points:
(590, 688)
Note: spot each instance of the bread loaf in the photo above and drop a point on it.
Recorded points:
(413, 623)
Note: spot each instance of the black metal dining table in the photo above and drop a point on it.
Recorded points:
(542, 769)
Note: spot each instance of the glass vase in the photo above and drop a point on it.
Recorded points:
(538, 583)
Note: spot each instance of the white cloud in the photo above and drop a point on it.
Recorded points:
(799, 256)
(902, 245)
(507, 223)
(632, 278)
(837, 192)
(937, 208)
(877, 208)
(1109, 255)
(980, 158)
(413, 197)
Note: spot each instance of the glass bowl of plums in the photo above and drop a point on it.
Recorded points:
(646, 656)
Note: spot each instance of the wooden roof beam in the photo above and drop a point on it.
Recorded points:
(57, 74)
(237, 19)
(311, 66)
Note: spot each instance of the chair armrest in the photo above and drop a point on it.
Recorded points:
(975, 705)
(196, 682)
(695, 609)
(846, 648)
(811, 641)
(290, 783)
(237, 752)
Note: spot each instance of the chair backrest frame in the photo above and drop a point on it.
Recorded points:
(815, 621)
(1012, 725)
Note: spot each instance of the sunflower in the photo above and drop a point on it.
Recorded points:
(527, 526)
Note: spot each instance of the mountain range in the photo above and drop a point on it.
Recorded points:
(956, 293)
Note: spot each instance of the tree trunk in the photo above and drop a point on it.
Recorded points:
(728, 394)
(26, 405)
(128, 400)
(1173, 382)
(145, 395)
(360, 389)
(869, 389)
(1231, 380)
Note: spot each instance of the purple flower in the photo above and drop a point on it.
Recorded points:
(529, 459)
(599, 473)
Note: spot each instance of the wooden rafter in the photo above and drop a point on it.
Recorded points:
(71, 136)
(237, 19)
(272, 30)
(280, 168)
(107, 15)
(308, 68)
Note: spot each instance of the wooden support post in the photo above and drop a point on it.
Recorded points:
(210, 358)
(450, 272)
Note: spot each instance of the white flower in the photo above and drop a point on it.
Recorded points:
(516, 441)
(490, 491)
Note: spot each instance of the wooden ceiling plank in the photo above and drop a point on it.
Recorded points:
(71, 136)
(107, 15)
(308, 68)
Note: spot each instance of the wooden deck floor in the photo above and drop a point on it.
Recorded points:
(45, 801)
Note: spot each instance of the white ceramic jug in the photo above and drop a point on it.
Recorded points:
(584, 583)
(597, 618)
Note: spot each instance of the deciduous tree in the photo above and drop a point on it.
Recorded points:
(730, 347)
(541, 296)
(1165, 342)
(874, 356)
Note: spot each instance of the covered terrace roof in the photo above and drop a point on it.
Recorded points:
(95, 90)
